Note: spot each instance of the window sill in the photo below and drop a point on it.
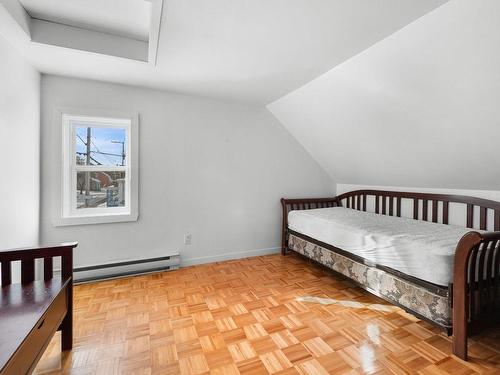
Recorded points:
(95, 219)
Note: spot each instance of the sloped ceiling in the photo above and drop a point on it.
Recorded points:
(253, 51)
(420, 108)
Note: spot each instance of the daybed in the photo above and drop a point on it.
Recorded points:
(445, 274)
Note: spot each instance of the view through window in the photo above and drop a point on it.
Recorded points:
(100, 147)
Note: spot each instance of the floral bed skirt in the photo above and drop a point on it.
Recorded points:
(391, 287)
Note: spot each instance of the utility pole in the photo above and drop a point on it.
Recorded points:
(123, 150)
(87, 174)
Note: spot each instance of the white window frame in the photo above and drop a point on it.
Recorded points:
(69, 214)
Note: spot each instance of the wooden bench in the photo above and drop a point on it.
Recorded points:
(33, 310)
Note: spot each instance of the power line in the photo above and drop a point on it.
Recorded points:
(81, 139)
(105, 153)
(98, 151)
(84, 153)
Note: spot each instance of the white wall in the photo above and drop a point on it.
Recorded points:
(420, 108)
(19, 149)
(210, 168)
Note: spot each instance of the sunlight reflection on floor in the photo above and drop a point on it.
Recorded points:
(353, 304)
(373, 332)
(367, 357)
(366, 352)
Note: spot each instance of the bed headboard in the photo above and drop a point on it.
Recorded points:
(426, 206)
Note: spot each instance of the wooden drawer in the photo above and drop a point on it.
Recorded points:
(33, 346)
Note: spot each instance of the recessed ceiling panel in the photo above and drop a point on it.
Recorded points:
(128, 18)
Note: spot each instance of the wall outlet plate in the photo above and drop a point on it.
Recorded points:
(188, 238)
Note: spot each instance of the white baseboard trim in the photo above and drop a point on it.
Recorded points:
(228, 256)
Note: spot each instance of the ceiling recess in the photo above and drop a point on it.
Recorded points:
(130, 30)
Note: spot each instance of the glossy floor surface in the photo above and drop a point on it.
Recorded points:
(270, 314)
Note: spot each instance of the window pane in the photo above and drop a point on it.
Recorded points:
(100, 189)
(100, 146)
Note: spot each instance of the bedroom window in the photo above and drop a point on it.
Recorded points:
(99, 169)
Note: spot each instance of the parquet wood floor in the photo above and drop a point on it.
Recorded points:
(270, 314)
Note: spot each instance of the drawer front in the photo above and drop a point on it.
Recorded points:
(24, 360)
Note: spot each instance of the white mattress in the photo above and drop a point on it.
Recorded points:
(417, 248)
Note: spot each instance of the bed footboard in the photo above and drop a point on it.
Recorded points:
(476, 287)
(301, 204)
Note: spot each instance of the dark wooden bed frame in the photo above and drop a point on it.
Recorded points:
(475, 291)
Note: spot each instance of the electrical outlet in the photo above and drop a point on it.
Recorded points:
(188, 239)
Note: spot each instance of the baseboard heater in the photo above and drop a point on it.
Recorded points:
(128, 268)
